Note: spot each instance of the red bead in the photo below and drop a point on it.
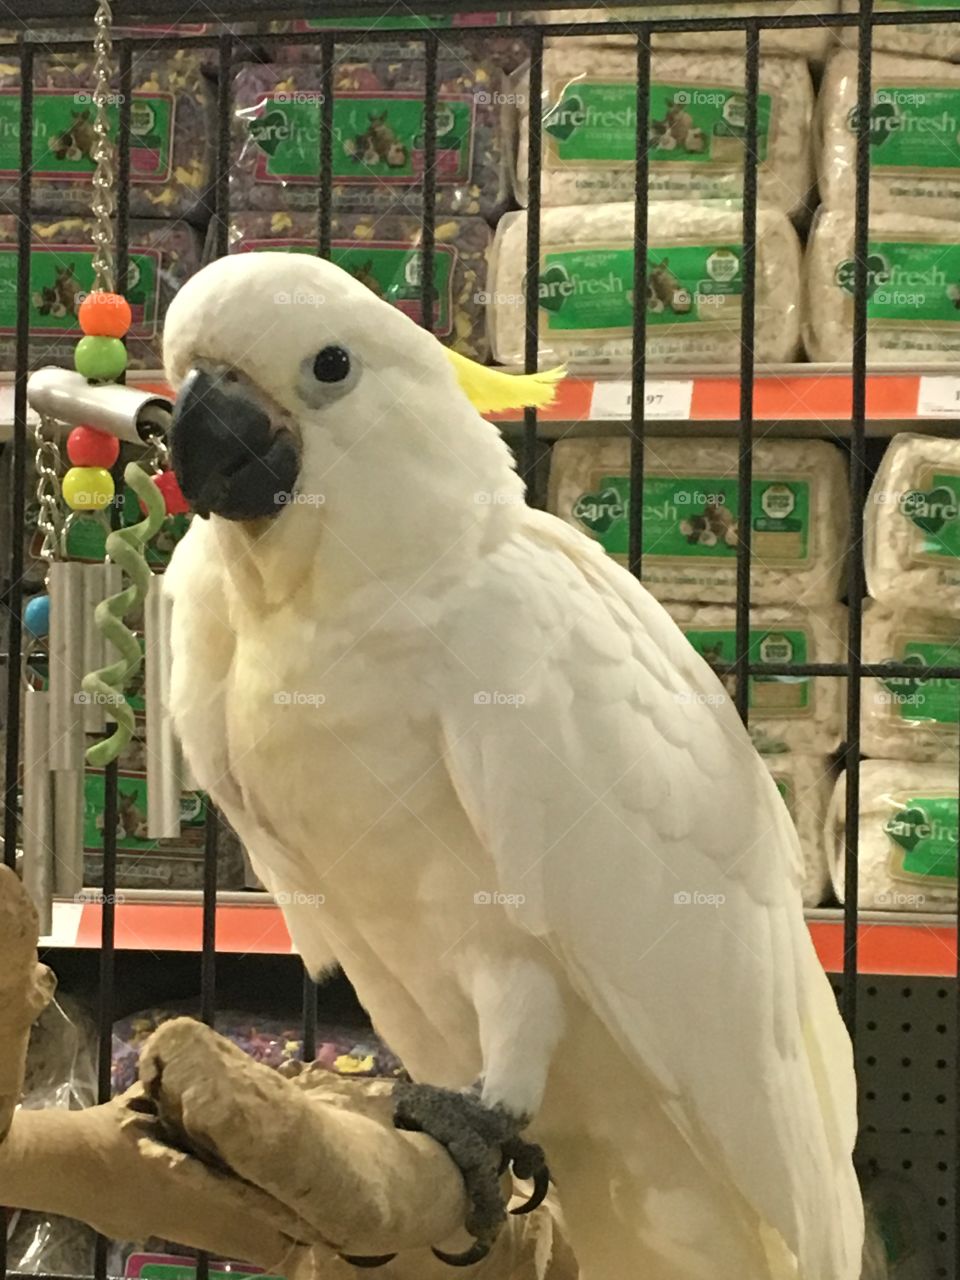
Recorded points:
(87, 447)
(105, 315)
(169, 486)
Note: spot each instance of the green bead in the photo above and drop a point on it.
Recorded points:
(102, 359)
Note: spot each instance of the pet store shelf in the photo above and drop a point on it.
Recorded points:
(912, 945)
(247, 923)
(805, 400)
(251, 924)
(791, 400)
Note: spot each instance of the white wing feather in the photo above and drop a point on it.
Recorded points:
(622, 782)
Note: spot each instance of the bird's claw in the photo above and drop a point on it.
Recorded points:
(368, 1262)
(476, 1253)
(528, 1164)
(482, 1141)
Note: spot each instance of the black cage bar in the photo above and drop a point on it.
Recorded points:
(33, 14)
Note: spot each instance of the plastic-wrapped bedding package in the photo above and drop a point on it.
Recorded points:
(175, 862)
(694, 286)
(378, 138)
(171, 119)
(913, 284)
(690, 503)
(912, 526)
(921, 39)
(910, 717)
(787, 713)
(61, 1072)
(806, 785)
(269, 1040)
(807, 42)
(163, 255)
(383, 252)
(914, 124)
(485, 33)
(696, 127)
(908, 836)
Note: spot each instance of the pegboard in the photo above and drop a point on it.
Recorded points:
(905, 1050)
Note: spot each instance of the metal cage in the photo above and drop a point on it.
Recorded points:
(894, 1135)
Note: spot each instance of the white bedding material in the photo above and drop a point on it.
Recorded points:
(786, 714)
(906, 718)
(915, 123)
(908, 836)
(913, 311)
(696, 128)
(806, 784)
(922, 39)
(694, 286)
(806, 42)
(800, 514)
(912, 526)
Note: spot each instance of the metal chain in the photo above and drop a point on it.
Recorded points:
(104, 195)
(49, 518)
(156, 456)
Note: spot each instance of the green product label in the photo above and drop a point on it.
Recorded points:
(915, 283)
(87, 533)
(592, 289)
(923, 832)
(935, 510)
(132, 814)
(60, 278)
(595, 122)
(687, 516)
(161, 1266)
(376, 138)
(775, 695)
(785, 786)
(926, 698)
(63, 136)
(912, 127)
(391, 271)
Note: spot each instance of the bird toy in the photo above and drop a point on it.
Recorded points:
(83, 618)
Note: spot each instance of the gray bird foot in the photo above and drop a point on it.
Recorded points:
(482, 1142)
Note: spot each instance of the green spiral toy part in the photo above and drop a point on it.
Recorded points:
(125, 547)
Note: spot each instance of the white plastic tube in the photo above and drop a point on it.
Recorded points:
(67, 706)
(38, 806)
(164, 780)
(68, 832)
(124, 412)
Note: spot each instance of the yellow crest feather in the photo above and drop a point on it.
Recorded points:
(493, 390)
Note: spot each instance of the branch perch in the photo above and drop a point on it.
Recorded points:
(215, 1151)
(26, 988)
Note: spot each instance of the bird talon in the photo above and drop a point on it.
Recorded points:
(476, 1253)
(369, 1262)
(541, 1185)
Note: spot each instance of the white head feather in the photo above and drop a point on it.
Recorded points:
(397, 465)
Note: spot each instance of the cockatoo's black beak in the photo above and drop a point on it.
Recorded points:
(229, 456)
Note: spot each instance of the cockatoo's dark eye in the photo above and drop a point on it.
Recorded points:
(332, 364)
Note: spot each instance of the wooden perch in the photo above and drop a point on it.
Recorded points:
(26, 988)
(218, 1152)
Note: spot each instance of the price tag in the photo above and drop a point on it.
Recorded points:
(667, 399)
(65, 925)
(938, 396)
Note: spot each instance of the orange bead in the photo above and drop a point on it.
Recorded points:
(105, 315)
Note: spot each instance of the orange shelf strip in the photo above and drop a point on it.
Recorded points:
(909, 949)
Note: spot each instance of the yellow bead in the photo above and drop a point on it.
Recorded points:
(87, 488)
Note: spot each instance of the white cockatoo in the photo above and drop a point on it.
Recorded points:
(483, 771)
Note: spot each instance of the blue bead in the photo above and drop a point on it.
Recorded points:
(36, 616)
